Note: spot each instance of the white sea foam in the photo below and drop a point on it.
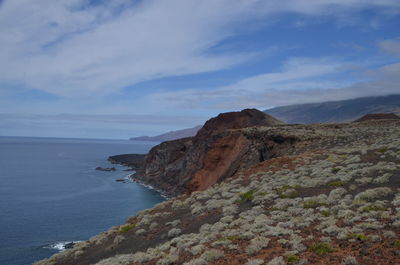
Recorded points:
(60, 246)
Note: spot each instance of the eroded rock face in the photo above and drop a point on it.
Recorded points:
(215, 153)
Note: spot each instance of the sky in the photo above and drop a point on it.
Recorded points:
(124, 68)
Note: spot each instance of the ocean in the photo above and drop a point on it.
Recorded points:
(50, 193)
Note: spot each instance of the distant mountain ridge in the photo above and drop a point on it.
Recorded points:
(336, 111)
(169, 136)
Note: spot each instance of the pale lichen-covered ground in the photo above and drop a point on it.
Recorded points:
(335, 199)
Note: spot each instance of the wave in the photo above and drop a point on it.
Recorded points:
(63, 245)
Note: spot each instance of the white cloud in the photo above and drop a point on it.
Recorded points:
(390, 46)
(67, 47)
(301, 80)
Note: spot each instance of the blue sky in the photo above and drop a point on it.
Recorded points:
(121, 68)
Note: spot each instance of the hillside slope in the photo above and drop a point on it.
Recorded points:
(330, 196)
(336, 111)
(169, 136)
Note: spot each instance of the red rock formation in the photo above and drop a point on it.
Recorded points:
(236, 120)
(378, 116)
(214, 154)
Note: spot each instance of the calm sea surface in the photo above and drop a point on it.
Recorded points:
(50, 193)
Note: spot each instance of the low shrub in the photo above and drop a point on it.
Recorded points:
(293, 258)
(335, 170)
(233, 238)
(125, 228)
(246, 196)
(321, 248)
(382, 150)
(372, 207)
(358, 236)
(312, 204)
(336, 183)
(326, 213)
(288, 191)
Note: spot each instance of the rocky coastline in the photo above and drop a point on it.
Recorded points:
(248, 189)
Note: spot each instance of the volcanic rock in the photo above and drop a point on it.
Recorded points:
(215, 153)
(378, 116)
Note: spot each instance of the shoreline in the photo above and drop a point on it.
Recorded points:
(162, 193)
(133, 163)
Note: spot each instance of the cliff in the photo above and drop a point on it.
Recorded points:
(299, 194)
(215, 153)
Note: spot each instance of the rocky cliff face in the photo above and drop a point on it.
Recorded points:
(215, 153)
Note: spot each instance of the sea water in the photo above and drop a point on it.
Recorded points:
(50, 193)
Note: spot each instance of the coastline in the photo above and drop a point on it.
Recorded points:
(161, 192)
(133, 163)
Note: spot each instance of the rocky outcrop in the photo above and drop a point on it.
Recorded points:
(378, 116)
(215, 153)
(236, 120)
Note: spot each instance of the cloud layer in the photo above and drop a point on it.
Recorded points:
(171, 64)
(69, 48)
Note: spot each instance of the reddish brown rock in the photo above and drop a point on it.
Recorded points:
(378, 116)
(214, 154)
(236, 120)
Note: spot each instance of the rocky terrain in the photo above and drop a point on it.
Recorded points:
(256, 191)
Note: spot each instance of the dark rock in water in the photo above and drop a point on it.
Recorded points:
(69, 245)
(106, 168)
(120, 180)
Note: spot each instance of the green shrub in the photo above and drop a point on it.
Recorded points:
(288, 191)
(372, 207)
(246, 196)
(232, 238)
(336, 183)
(321, 248)
(293, 258)
(335, 170)
(312, 204)
(289, 195)
(382, 150)
(358, 236)
(125, 228)
(397, 243)
(326, 213)
(288, 187)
